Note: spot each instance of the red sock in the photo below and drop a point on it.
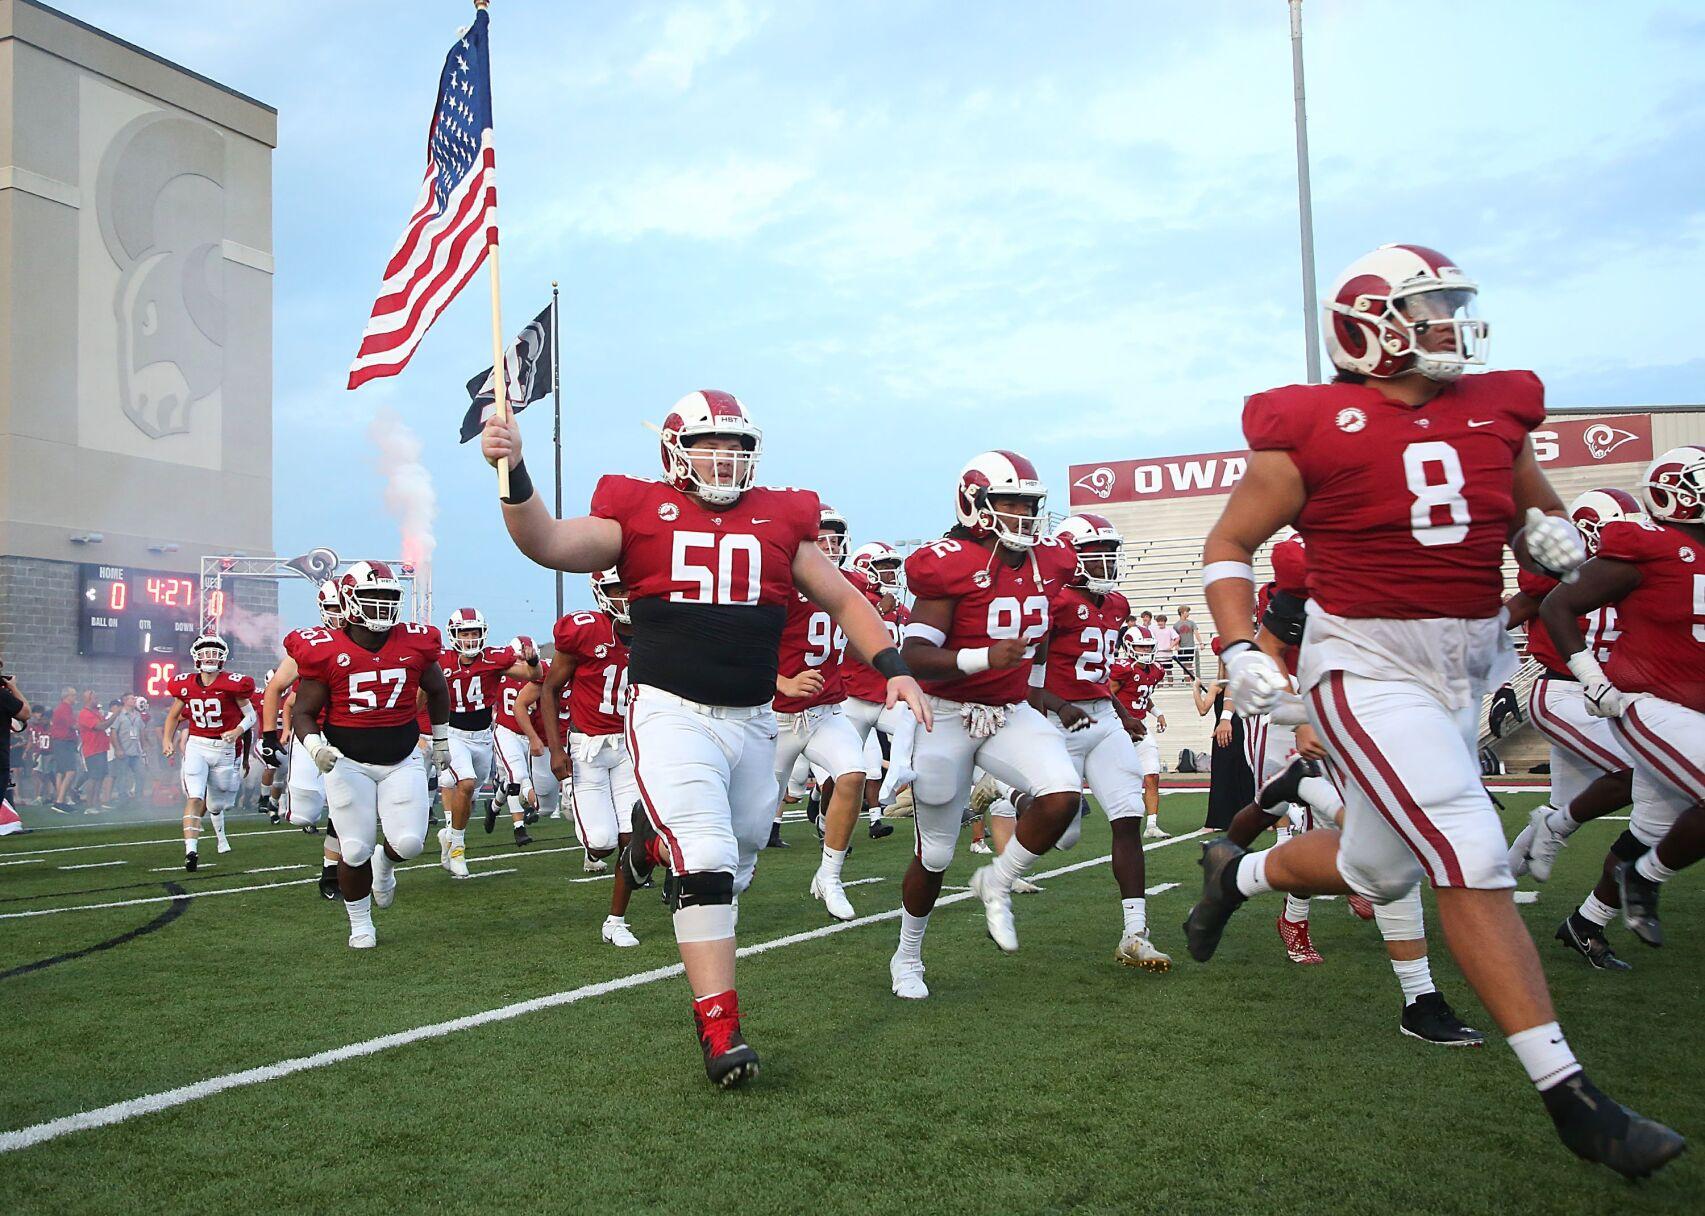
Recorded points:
(655, 853)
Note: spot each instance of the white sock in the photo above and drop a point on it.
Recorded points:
(1136, 914)
(1546, 1056)
(875, 814)
(458, 836)
(1014, 862)
(833, 860)
(1252, 874)
(912, 934)
(1596, 910)
(1296, 909)
(383, 867)
(218, 820)
(360, 914)
(1415, 976)
(1282, 832)
(1320, 794)
(1651, 869)
(191, 844)
(1561, 822)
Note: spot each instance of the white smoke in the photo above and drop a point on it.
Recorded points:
(409, 496)
(262, 630)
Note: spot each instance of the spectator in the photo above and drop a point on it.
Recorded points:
(1231, 783)
(92, 724)
(127, 750)
(1146, 620)
(1186, 630)
(1165, 642)
(40, 743)
(14, 719)
(63, 759)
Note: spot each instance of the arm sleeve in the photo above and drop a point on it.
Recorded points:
(1528, 397)
(925, 576)
(1627, 541)
(1269, 423)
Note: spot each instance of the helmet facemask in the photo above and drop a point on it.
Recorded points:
(1098, 565)
(832, 540)
(209, 655)
(611, 597)
(1011, 529)
(717, 475)
(885, 573)
(331, 606)
(1447, 334)
(469, 640)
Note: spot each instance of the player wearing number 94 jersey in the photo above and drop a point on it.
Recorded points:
(708, 559)
(1406, 479)
(978, 638)
(367, 676)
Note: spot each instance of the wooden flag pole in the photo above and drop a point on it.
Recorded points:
(499, 382)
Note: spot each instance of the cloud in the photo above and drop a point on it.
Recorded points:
(728, 200)
(694, 35)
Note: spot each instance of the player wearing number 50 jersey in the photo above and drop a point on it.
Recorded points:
(214, 705)
(366, 677)
(1406, 479)
(709, 560)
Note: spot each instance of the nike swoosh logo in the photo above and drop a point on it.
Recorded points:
(1477, 422)
(760, 521)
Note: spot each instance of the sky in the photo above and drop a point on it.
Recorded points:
(910, 231)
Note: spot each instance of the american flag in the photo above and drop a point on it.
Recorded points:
(454, 220)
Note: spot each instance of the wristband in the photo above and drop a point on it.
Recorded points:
(520, 484)
(440, 732)
(889, 664)
(1225, 715)
(1213, 572)
(1231, 649)
(972, 659)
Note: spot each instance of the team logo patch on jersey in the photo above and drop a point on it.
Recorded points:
(343, 660)
(1602, 439)
(1083, 612)
(600, 650)
(1351, 420)
(1685, 553)
(667, 511)
(981, 578)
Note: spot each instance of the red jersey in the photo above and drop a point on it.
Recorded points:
(212, 709)
(96, 741)
(1662, 647)
(1409, 507)
(992, 601)
(861, 679)
(811, 641)
(1083, 642)
(707, 587)
(1136, 686)
(473, 686)
(503, 713)
(370, 689)
(1599, 626)
(597, 693)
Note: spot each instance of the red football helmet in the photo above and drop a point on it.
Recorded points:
(1386, 302)
(997, 474)
(1290, 566)
(879, 562)
(613, 604)
(331, 604)
(209, 652)
(1098, 546)
(372, 596)
(1675, 486)
(834, 523)
(468, 632)
(1595, 508)
(699, 415)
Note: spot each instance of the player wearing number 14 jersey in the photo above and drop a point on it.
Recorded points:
(1406, 479)
(708, 559)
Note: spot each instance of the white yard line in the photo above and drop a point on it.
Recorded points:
(494, 873)
(131, 1108)
(199, 867)
(280, 869)
(859, 882)
(27, 861)
(279, 830)
(94, 865)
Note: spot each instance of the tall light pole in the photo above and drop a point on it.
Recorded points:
(1305, 202)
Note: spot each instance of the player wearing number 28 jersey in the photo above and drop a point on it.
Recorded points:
(709, 560)
(1406, 479)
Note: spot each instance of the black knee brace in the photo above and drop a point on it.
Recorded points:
(689, 890)
(1627, 848)
(513, 789)
(331, 828)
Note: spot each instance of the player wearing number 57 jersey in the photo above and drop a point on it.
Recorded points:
(1406, 479)
(709, 560)
(214, 705)
(367, 676)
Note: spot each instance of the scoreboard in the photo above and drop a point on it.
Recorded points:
(125, 611)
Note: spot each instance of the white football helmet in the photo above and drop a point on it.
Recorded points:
(468, 632)
(1595, 508)
(209, 652)
(881, 563)
(1675, 486)
(523, 645)
(613, 604)
(372, 596)
(1000, 474)
(834, 523)
(699, 415)
(1383, 305)
(1138, 645)
(1098, 546)
(331, 604)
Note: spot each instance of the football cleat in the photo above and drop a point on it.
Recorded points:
(384, 896)
(190, 862)
(1135, 950)
(997, 908)
(775, 841)
(636, 859)
(827, 888)
(491, 810)
(363, 941)
(328, 883)
(1597, 1128)
(1154, 831)
(906, 978)
(1543, 845)
(523, 837)
(728, 1059)
(594, 865)
(458, 861)
(1360, 905)
(1430, 1018)
(617, 933)
(1298, 946)
(1640, 904)
(444, 847)
(1587, 940)
(1023, 886)
(1283, 788)
(1519, 848)
(224, 845)
(982, 847)
(1206, 923)
(879, 829)
(530, 816)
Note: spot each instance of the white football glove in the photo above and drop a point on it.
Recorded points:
(1554, 543)
(1254, 682)
(900, 773)
(1604, 699)
(323, 754)
(441, 753)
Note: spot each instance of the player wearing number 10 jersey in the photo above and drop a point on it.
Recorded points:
(1406, 479)
(709, 560)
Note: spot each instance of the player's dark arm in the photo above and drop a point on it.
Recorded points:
(1521, 608)
(550, 697)
(581, 545)
(1602, 581)
(305, 709)
(1270, 496)
(437, 692)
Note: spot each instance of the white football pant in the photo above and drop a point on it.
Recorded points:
(1667, 742)
(470, 757)
(602, 790)
(366, 797)
(210, 772)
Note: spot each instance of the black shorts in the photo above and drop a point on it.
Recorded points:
(97, 764)
(62, 756)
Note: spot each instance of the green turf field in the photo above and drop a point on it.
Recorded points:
(1052, 1080)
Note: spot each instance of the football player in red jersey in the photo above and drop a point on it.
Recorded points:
(881, 565)
(365, 678)
(978, 640)
(709, 560)
(1086, 614)
(588, 679)
(1652, 689)
(1133, 679)
(471, 671)
(1406, 482)
(214, 705)
(518, 737)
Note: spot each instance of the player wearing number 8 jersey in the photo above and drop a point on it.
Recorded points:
(214, 705)
(709, 560)
(1405, 480)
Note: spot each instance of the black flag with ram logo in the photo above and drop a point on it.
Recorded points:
(527, 371)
